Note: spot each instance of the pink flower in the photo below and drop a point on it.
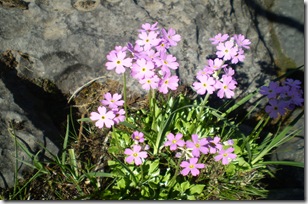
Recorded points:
(241, 41)
(226, 50)
(119, 115)
(118, 61)
(225, 156)
(135, 155)
(112, 101)
(197, 145)
(148, 40)
(174, 141)
(216, 64)
(168, 82)
(225, 87)
(191, 167)
(136, 51)
(142, 69)
(138, 136)
(219, 38)
(205, 71)
(166, 62)
(150, 82)
(162, 46)
(103, 117)
(214, 144)
(171, 36)
(148, 27)
(206, 84)
(229, 71)
(239, 57)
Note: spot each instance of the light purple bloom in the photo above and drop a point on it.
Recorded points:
(150, 82)
(191, 167)
(241, 41)
(142, 69)
(226, 50)
(214, 145)
(226, 87)
(171, 36)
(229, 71)
(119, 115)
(238, 57)
(197, 145)
(135, 155)
(103, 117)
(138, 136)
(112, 101)
(118, 61)
(219, 38)
(206, 84)
(148, 40)
(226, 156)
(174, 141)
(148, 27)
(168, 82)
(166, 62)
(216, 64)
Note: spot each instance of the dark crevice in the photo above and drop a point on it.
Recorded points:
(273, 17)
(46, 111)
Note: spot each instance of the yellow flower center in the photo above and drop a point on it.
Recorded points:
(197, 145)
(118, 62)
(225, 155)
(191, 166)
(174, 141)
(135, 155)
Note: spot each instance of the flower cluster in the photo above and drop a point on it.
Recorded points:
(192, 150)
(148, 59)
(111, 111)
(282, 97)
(135, 154)
(217, 75)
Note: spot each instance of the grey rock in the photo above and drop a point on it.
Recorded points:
(24, 118)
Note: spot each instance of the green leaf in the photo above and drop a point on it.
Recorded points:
(153, 166)
(196, 189)
(99, 174)
(184, 186)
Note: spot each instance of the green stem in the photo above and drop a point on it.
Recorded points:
(202, 105)
(124, 94)
(172, 181)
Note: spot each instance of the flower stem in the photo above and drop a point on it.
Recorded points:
(202, 105)
(124, 94)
